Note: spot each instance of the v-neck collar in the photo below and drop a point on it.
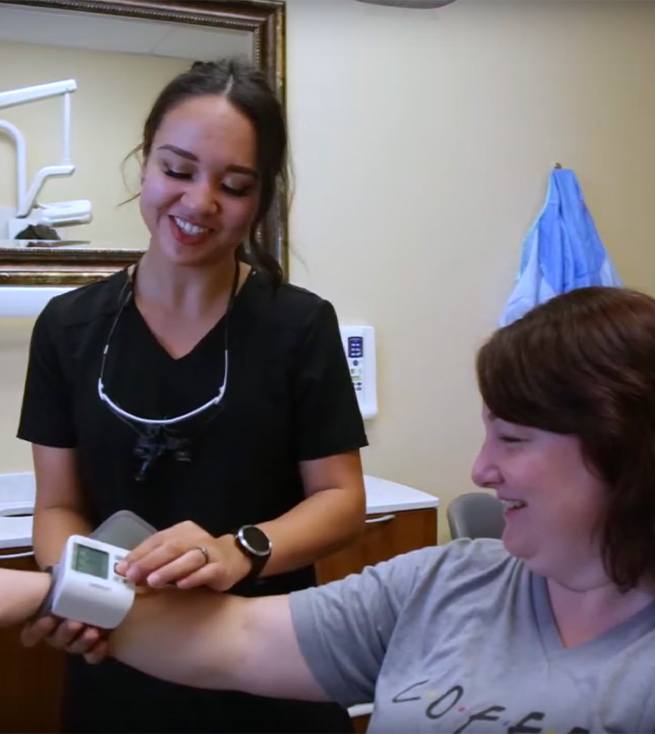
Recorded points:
(206, 337)
(608, 643)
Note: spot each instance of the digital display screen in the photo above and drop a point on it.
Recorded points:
(91, 560)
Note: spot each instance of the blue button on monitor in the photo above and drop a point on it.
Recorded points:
(355, 347)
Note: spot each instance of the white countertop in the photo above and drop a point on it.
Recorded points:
(383, 495)
(16, 506)
(15, 532)
(17, 499)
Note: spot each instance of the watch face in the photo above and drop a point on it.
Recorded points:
(255, 540)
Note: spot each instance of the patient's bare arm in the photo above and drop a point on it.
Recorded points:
(21, 594)
(195, 637)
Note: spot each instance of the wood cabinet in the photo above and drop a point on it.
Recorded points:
(387, 534)
(31, 680)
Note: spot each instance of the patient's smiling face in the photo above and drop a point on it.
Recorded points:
(555, 502)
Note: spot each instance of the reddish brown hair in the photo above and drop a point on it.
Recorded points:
(584, 363)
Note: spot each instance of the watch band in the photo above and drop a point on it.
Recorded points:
(257, 564)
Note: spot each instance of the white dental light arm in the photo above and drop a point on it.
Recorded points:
(21, 161)
(13, 97)
(37, 185)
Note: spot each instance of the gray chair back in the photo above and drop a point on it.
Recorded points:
(475, 515)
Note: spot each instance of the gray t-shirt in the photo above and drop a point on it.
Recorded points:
(461, 638)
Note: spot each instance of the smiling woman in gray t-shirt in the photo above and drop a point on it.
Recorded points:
(462, 638)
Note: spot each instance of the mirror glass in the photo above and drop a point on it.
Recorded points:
(120, 59)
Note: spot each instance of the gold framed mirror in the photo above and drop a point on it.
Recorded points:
(121, 52)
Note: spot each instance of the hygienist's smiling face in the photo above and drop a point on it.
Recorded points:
(553, 501)
(200, 188)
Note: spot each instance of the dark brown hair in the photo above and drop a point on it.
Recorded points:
(583, 363)
(247, 89)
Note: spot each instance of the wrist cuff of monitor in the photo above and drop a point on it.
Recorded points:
(45, 608)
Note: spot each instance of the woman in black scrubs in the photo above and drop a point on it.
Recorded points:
(204, 394)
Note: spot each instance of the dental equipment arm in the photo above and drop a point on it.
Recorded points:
(27, 211)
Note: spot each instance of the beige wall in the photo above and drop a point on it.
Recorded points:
(422, 142)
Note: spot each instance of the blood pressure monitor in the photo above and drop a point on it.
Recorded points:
(85, 586)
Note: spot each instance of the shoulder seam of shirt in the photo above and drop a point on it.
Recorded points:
(85, 304)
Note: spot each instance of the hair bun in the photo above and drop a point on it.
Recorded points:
(206, 66)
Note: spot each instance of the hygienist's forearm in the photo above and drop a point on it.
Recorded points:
(331, 515)
(60, 505)
(52, 528)
(320, 524)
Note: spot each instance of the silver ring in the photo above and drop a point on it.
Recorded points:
(203, 550)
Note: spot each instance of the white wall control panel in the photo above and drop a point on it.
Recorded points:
(359, 346)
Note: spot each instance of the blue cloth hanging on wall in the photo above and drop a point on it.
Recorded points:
(561, 251)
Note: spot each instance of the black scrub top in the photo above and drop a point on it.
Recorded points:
(288, 398)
